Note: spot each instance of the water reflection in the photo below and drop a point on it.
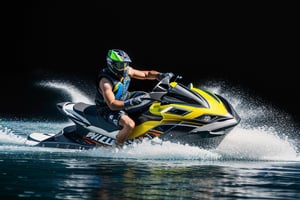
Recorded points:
(126, 179)
(62, 176)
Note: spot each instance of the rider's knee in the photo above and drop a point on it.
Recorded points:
(129, 123)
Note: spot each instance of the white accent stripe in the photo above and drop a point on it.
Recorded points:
(69, 110)
(103, 132)
(167, 109)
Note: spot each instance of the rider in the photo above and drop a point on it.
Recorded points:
(113, 98)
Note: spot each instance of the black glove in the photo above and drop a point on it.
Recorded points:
(133, 101)
(130, 103)
(164, 75)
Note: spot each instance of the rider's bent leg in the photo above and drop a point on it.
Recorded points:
(127, 125)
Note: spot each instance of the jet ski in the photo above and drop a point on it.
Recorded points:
(178, 113)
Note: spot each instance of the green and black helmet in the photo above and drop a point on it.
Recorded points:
(118, 61)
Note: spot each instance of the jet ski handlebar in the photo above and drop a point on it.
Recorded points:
(162, 87)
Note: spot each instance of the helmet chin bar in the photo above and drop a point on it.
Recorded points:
(117, 72)
(124, 72)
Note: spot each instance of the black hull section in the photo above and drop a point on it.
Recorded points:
(68, 138)
(203, 139)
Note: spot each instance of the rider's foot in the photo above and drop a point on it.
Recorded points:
(117, 145)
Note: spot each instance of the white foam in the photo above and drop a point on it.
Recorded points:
(68, 88)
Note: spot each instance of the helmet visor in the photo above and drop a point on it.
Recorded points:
(120, 66)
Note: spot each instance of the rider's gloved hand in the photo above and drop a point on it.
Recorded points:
(164, 75)
(129, 103)
(133, 101)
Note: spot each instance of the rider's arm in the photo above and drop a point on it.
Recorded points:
(107, 92)
(143, 74)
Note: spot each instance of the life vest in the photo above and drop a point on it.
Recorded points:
(120, 86)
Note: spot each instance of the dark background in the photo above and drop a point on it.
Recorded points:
(250, 46)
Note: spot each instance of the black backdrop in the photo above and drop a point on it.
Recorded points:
(249, 46)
